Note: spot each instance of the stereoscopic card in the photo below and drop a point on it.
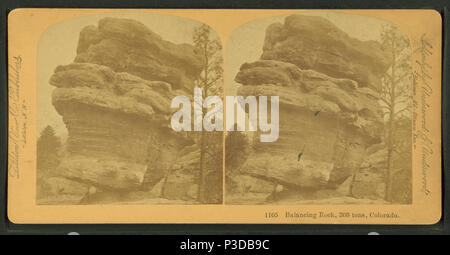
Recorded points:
(224, 116)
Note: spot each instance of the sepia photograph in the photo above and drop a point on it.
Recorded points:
(224, 116)
(104, 93)
(344, 87)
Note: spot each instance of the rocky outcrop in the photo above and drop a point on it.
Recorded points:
(126, 45)
(100, 107)
(313, 91)
(111, 119)
(179, 185)
(115, 102)
(246, 189)
(327, 86)
(334, 120)
(312, 42)
(370, 179)
(173, 175)
(60, 190)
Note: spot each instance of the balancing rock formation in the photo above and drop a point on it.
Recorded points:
(312, 42)
(327, 86)
(126, 45)
(115, 102)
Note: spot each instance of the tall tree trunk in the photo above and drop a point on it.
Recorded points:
(390, 161)
(202, 184)
(390, 142)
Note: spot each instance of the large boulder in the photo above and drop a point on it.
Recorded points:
(115, 102)
(127, 45)
(106, 173)
(111, 114)
(312, 42)
(313, 91)
(331, 120)
(328, 85)
(287, 170)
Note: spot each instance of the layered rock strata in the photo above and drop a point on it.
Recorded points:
(312, 42)
(115, 102)
(327, 86)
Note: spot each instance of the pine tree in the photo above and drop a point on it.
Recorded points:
(210, 81)
(237, 150)
(48, 147)
(395, 94)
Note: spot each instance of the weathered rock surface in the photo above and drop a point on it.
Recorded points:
(60, 190)
(111, 117)
(327, 84)
(246, 189)
(334, 120)
(247, 183)
(106, 173)
(370, 180)
(313, 91)
(175, 175)
(115, 102)
(127, 45)
(345, 188)
(312, 42)
(282, 170)
(179, 185)
(100, 86)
